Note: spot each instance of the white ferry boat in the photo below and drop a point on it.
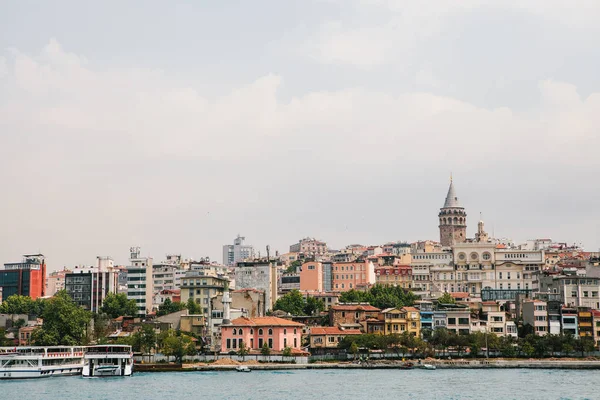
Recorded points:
(108, 360)
(40, 362)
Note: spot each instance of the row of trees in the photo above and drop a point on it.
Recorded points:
(380, 296)
(296, 304)
(443, 342)
(168, 307)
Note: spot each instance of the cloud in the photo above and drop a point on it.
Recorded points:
(380, 32)
(124, 155)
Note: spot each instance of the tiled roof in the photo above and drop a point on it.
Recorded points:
(333, 330)
(459, 294)
(264, 321)
(354, 307)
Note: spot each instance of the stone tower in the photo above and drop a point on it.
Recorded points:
(453, 220)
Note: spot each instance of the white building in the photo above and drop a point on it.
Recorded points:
(238, 251)
(261, 276)
(140, 281)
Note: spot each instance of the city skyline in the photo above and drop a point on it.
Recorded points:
(176, 127)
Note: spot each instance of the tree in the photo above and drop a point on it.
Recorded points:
(528, 349)
(145, 338)
(354, 349)
(293, 267)
(17, 304)
(313, 306)
(265, 350)
(380, 296)
(65, 323)
(585, 344)
(178, 345)
(168, 307)
(292, 303)
(446, 298)
(193, 307)
(117, 305)
(4, 341)
(243, 351)
(287, 351)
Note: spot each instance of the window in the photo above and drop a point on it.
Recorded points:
(270, 343)
(234, 331)
(343, 314)
(463, 321)
(234, 344)
(228, 343)
(251, 331)
(270, 333)
(573, 293)
(284, 331)
(260, 331)
(294, 331)
(241, 332)
(331, 339)
(499, 275)
(585, 293)
(451, 321)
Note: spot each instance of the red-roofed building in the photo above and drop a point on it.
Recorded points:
(352, 315)
(328, 337)
(277, 333)
(397, 275)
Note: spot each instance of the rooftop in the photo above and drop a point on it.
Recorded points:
(264, 321)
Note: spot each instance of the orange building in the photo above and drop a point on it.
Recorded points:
(311, 277)
(27, 278)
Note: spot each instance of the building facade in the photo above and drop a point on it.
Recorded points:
(453, 220)
(236, 252)
(309, 246)
(140, 282)
(89, 286)
(26, 278)
(276, 333)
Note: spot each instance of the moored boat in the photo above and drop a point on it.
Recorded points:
(108, 360)
(242, 368)
(40, 361)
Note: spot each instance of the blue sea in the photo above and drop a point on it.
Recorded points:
(317, 384)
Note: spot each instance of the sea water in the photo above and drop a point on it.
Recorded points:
(317, 384)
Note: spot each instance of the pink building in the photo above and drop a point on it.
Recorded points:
(351, 275)
(277, 333)
(311, 277)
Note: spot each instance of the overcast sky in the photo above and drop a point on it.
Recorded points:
(175, 126)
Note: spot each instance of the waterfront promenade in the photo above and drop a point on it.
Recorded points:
(383, 364)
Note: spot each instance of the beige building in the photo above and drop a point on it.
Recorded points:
(309, 246)
(535, 313)
(202, 289)
(55, 282)
(328, 337)
(250, 301)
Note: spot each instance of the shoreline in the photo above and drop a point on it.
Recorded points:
(439, 364)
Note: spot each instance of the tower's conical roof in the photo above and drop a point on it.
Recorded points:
(451, 198)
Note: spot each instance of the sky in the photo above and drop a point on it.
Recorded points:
(174, 126)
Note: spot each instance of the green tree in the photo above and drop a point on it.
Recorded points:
(18, 324)
(65, 323)
(293, 267)
(168, 307)
(527, 349)
(446, 298)
(585, 344)
(313, 306)
(117, 305)
(243, 350)
(380, 296)
(292, 302)
(4, 341)
(193, 307)
(354, 349)
(145, 339)
(287, 351)
(17, 304)
(265, 350)
(178, 345)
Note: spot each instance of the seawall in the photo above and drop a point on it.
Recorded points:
(445, 364)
